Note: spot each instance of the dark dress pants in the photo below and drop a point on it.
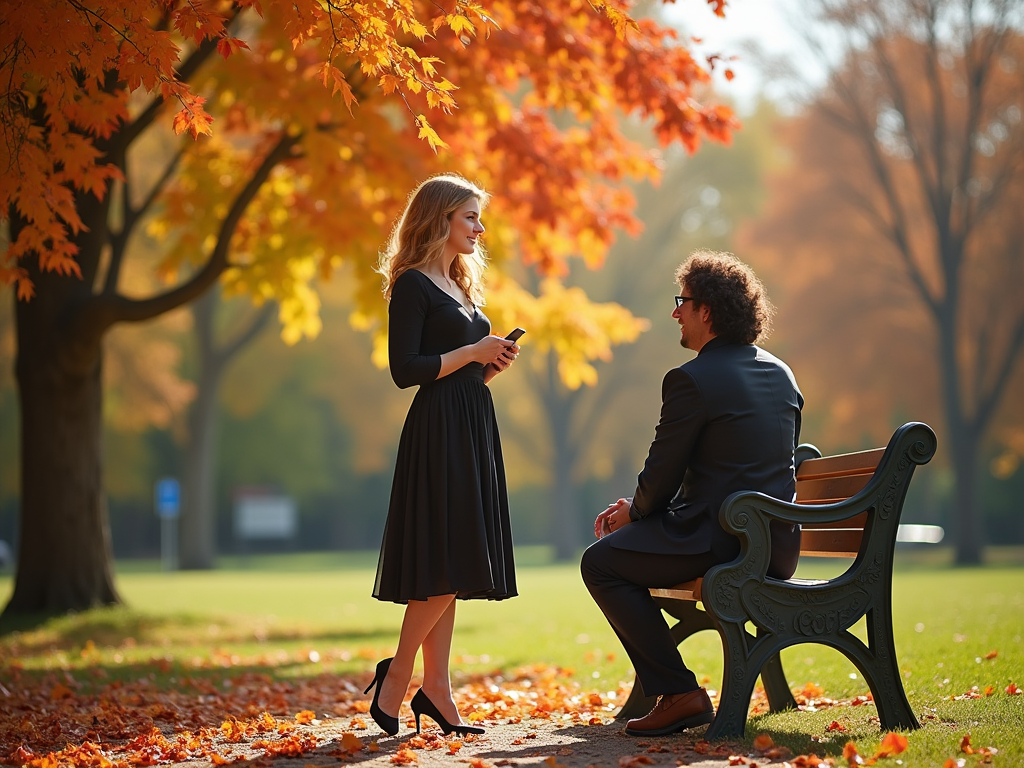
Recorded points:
(618, 580)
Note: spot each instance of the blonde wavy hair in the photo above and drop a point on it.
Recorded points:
(421, 232)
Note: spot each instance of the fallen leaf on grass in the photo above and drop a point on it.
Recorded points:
(835, 725)
(763, 741)
(851, 756)
(892, 744)
(1013, 690)
(965, 745)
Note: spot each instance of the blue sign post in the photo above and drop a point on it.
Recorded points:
(168, 504)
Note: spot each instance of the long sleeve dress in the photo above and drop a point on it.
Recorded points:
(447, 530)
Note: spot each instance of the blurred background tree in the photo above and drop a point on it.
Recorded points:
(897, 227)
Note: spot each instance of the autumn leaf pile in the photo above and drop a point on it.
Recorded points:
(81, 718)
(66, 718)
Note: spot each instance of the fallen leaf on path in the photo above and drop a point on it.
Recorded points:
(350, 742)
(631, 761)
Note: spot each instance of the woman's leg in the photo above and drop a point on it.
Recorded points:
(420, 618)
(437, 649)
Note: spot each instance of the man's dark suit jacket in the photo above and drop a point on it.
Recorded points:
(730, 421)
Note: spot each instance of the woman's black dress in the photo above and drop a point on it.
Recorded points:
(448, 528)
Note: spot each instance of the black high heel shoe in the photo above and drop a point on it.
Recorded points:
(387, 723)
(421, 705)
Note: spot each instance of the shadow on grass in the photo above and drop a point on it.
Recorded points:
(114, 627)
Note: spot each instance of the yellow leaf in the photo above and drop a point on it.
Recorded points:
(428, 133)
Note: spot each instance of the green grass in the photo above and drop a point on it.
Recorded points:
(947, 621)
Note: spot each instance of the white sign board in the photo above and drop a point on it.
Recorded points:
(265, 517)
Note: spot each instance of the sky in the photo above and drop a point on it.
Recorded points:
(767, 24)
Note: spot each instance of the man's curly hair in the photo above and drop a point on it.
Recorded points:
(740, 310)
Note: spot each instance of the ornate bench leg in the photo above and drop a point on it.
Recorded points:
(737, 685)
(883, 676)
(780, 698)
(776, 688)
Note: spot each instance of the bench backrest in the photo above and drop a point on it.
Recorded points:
(827, 480)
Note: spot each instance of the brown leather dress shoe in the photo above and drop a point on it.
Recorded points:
(674, 712)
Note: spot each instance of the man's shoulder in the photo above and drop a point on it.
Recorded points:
(767, 358)
(726, 357)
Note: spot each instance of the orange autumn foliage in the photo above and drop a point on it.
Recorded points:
(319, 73)
(268, 145)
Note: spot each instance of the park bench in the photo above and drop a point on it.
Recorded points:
(848, 505)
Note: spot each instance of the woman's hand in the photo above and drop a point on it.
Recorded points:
(614, 517)
(496, 351)
(504, 360)
(493, 352)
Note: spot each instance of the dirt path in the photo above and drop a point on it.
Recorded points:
(531, 742)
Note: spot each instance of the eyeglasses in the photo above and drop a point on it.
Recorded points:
(680, 300)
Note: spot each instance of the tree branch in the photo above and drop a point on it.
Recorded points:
(864, 132)
(987, 403)
(106, 310)
(243, 337)
(131, 217)
(930, 187)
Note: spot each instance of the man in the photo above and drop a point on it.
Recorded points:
(730, 421)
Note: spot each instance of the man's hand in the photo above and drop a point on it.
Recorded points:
(614, 517)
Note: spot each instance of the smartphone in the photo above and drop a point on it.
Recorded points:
(514, 336)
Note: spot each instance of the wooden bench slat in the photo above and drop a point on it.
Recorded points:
(688, 590)
(853, 523)
(842, 464)
(830, 543)
(825, 488)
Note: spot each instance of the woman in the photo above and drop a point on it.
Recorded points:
(447, 534)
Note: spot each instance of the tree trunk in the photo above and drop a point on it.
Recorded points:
(565, 507)
(198, 523)
(967, 518)
(964, 441)
(64, 554)
(198, 532)
(563, 492)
